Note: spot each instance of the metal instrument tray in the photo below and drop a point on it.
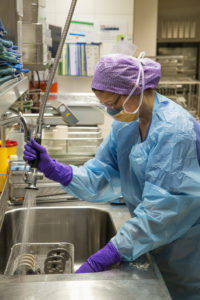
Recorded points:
(39, 251)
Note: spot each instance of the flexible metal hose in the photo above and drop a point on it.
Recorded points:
(53, 70)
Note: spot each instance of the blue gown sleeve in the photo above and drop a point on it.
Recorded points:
(197, 131)
(98, 179)
(170, 202)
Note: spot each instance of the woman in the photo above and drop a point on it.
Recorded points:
(151, 157)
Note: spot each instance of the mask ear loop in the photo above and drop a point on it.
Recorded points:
(141, 71)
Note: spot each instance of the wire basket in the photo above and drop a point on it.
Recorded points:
(3, 178)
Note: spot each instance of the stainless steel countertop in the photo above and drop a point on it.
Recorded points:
(140, 279)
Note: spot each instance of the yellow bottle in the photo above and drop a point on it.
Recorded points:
(3, 166)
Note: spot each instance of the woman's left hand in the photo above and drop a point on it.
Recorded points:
(101, 260)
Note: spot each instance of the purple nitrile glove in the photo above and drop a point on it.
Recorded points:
(52, 169)
(101, 260)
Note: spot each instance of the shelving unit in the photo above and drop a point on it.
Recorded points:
(184, 92)
(79, 59)
(12, 91)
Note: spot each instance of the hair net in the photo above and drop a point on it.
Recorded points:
(118, 73)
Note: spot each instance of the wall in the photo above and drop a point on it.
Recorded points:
(145, 26)
(74, 84)
(92, 11)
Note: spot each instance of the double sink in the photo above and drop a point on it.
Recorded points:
(88, 227)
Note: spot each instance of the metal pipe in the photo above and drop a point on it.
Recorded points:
(54, 68)
(23, 121)
(15, 119)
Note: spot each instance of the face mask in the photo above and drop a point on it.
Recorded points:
(123, 115)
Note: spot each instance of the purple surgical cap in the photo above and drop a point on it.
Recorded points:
(118, 73)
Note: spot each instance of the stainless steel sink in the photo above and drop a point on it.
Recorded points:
(88, 229)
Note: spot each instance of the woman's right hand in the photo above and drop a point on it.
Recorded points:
(32, 151)
(52, 169)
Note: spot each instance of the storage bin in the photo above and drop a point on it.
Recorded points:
(3, 167)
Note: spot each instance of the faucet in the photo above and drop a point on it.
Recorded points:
(8, 120)
(31, 177)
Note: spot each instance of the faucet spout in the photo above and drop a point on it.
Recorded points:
(33, 183)
(32, 177)
(17, 118)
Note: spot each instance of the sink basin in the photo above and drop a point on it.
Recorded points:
(88, 229)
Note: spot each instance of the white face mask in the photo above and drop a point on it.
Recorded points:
(123, 115)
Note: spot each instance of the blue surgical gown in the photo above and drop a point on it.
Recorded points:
(159, 180)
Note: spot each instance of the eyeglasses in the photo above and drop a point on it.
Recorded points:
(111, 104)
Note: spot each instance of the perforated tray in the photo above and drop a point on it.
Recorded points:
(39, 251)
